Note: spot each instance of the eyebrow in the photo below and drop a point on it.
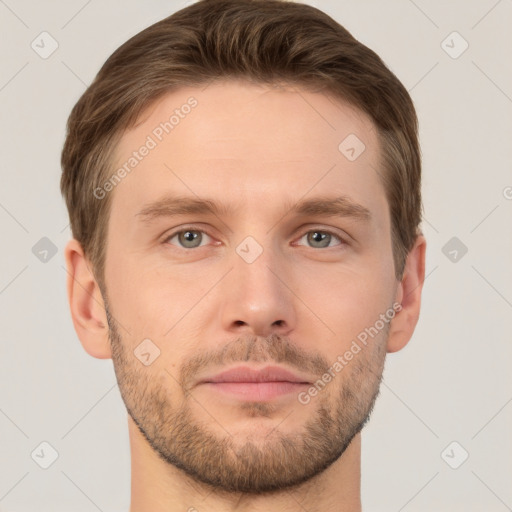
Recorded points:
(341, 206)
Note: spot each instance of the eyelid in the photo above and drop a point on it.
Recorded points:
(343, 238)
(181, 229)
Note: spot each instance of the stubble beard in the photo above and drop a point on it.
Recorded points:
(220, 460)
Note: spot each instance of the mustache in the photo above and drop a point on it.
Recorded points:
(273, 348)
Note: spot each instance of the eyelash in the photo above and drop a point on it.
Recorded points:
(192, 228)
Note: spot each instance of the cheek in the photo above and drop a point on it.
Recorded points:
(347, 304)
(150, 300)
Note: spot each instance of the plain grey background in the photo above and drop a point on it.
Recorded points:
(446, 396)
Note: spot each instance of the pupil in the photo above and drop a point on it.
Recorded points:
(190, 238)
(319, 237)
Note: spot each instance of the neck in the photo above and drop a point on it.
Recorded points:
(161, 487)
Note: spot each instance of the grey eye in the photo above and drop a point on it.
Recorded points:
(189, 239)
(319, 239)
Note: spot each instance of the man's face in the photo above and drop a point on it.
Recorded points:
(260, 282)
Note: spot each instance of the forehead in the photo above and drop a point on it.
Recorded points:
(248, 143)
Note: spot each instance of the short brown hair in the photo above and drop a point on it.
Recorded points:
(263, 41)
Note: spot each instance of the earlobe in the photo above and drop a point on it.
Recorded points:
(86, 303)
(409, 296)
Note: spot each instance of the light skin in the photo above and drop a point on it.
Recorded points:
(258, 152)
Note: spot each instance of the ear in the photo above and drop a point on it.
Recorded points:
(86, 303)
(408, 294)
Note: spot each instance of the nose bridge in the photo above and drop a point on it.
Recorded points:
(255, 263)
(254, 298)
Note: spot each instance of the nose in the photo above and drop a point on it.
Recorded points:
(256, 298)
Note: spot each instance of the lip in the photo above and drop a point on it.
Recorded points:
(251, 375)
(262, 384)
